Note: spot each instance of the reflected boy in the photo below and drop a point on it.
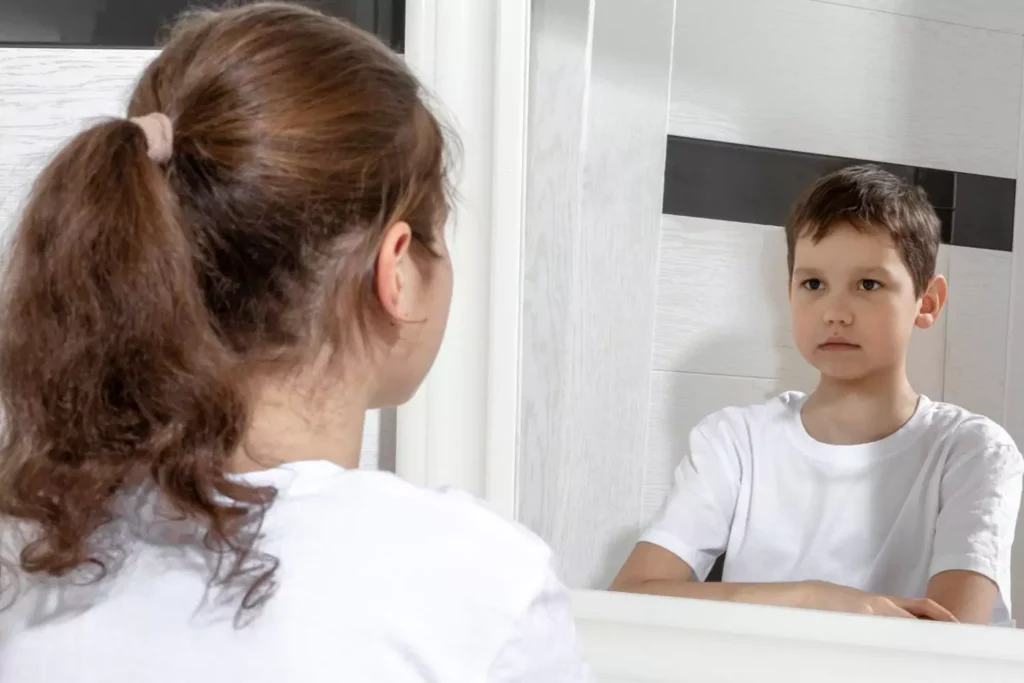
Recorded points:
(863, 496)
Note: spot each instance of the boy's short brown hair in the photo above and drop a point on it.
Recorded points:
(870, 198)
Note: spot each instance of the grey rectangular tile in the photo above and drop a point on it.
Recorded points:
(708, 179)
(983, 214)
(745, 184)
(137, 23)
(940, 186)
(946, 217)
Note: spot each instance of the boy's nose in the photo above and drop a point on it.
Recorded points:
(838, 315)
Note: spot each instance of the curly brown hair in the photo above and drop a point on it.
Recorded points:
(139, 295)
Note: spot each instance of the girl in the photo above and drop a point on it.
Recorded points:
(202, 302)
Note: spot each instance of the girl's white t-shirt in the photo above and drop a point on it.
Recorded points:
(378, 581)
(941, 493)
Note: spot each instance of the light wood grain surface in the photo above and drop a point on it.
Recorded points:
(831, 79)
(1006, 16)
(599, 93)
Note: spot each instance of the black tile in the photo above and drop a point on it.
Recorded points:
(707, 179)
(946, 219)
(138, 23)
(984, 212)
(745, 184)
(939, 185)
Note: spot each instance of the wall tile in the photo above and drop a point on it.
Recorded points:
(983, 212)
(757, 185)
(138, 23)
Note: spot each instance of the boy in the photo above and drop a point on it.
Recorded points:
(863, 496)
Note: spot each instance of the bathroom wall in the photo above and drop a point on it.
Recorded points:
(655, 268)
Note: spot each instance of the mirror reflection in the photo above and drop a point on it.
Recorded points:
(862, 495)
(794, 386)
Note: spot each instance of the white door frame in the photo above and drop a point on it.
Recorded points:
(461, 428)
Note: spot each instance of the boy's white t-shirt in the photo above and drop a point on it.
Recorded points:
(378, 581)
(942, 493)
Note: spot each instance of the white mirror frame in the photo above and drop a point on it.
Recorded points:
(462, 427)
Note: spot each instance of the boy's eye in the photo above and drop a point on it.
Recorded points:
(811, 284)
(870, 285)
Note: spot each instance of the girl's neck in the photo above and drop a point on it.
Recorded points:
(290, 426)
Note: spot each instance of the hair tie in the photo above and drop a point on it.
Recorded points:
(159, 135)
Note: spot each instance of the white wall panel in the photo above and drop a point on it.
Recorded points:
(830, 79)
(995, 15)
(49, 94)
(722, 308)
(1013, 406)
(977, 325)
(596, 164)
(46, 96)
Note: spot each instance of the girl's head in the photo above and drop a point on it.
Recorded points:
(287, 258)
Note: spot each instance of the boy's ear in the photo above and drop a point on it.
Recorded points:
(933, 299)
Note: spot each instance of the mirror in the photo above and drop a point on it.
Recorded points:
(666, 146)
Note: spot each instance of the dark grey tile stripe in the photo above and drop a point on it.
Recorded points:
(745, 184)
(138, 23)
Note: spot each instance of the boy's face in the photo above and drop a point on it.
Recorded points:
(853, 305)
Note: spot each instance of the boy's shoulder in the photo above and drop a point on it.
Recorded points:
(777, 407)
(963, 432)
(954, 428)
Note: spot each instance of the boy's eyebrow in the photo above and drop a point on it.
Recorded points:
(803, 270)
(874, 270)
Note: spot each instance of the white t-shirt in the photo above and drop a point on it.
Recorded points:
(378, 581)
(941, 493)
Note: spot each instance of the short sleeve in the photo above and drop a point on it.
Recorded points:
(543, 646)
(979, 500)
(695, 520)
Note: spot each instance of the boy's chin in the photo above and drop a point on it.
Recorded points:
(845, 371)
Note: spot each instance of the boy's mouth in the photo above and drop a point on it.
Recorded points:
(838, 344)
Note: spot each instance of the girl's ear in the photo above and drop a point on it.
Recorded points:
(391, 277)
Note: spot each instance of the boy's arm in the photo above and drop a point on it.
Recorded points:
(979, 500)
(654, 570)
(693, 524)
(968, 595)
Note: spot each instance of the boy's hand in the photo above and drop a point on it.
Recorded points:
(835, 598)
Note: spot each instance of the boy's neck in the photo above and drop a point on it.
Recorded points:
(855, 412)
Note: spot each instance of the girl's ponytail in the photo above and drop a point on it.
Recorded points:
(112, 371)
(157, 290)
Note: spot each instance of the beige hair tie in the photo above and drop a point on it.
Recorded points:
(159, 135)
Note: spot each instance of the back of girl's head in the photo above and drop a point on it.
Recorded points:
(140, 294)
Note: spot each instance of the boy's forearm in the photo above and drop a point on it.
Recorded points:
(778, 594)
(968, 595)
